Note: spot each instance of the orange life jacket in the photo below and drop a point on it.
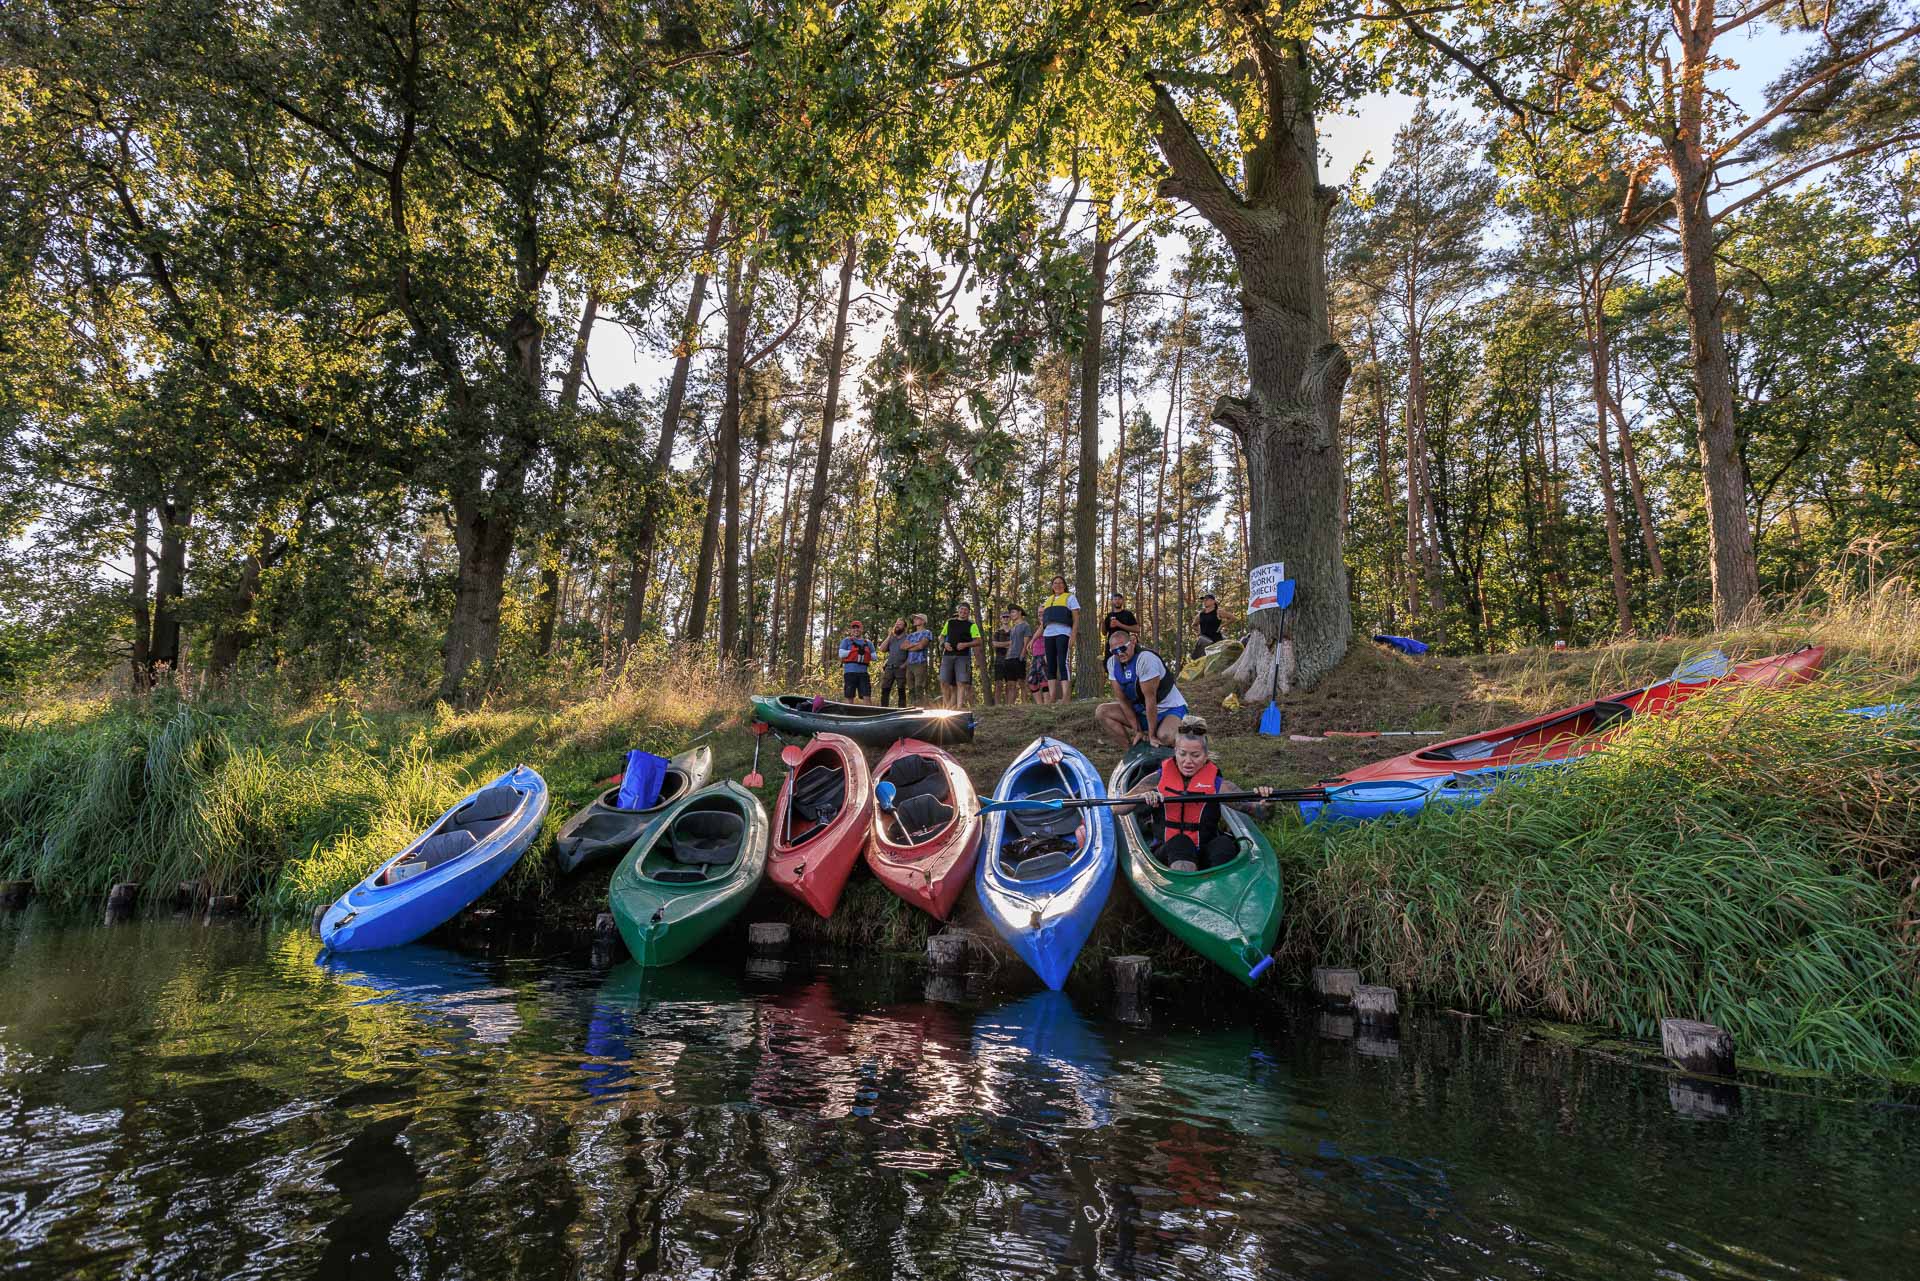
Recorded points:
(1197, 820)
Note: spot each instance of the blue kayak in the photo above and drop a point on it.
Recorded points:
(1379, 797)
(1043, 876)
(448, 866)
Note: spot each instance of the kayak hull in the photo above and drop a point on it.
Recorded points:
(930, 872)
(1585, 727)
(811, 861)
(1046, 919)
(864, 724)
(601, 831)
(1228, 914)
(378, 913)
(1378, 798)
(662, 922)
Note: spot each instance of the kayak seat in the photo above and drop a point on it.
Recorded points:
(441, 847)
(678, 875)
(819, 794)
(1041, 865)
(1046, 822)
(922, 816)
(704, 838)
(486, 812)
(908, 770)
(1607, 714)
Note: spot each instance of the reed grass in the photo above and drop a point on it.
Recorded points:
(1754, 861)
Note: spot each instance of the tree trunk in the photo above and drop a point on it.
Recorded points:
(702, 588)
(663, 451)
(1418, 450)
(804, 559)
(553, 552)
(739, 310)
(1736, 578)
(1616, 552)
(1379, 387)
(176, 518)
(141, 651)
(1119, 453)
(1648, 538)
(1088, 673)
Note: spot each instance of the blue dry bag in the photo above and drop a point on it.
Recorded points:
(640, 787)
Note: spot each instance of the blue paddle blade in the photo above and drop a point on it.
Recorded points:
(1026, 803)
(1283, 593)
(1271, 721)
(884, 792)
(1704, 668)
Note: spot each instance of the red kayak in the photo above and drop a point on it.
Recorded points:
(1576, 731)
(923, 850)
(821, 821)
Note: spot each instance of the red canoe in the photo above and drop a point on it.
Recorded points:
(924, 850)
(821, 821)
(1576, 731)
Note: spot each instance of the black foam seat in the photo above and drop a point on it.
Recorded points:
(924, 814)
(1046, 822)
(706, 838)
(441, 847)
(485, 812)
(819, 793)
(908, 770)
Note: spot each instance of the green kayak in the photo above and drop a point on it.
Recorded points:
(864, 723)
(690, 871)
(1229, 914)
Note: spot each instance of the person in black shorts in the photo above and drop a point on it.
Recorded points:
(1013, 667)
(1209, 624)
(856, 652)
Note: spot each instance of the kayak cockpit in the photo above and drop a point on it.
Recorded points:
(922, 800)
(703, 844)
(818, 796)
(1592, 718)
(460, 833)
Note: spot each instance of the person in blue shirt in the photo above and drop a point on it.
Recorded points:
(919, 644)
(856, 651)
(1147, 706)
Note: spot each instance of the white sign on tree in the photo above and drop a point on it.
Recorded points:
(1268, 587)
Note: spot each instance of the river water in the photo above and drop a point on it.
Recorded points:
(181, 1100)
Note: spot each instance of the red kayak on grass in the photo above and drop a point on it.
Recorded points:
(1575, 731)
(822, 821)
(923, 848)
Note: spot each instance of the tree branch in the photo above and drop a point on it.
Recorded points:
(1773, 185)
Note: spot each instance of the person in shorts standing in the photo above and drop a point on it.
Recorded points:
(919, 647)
(1060, 628)
(1013, 665)
(856, 652)
(893, 672)
(958, 639)
(1208, 623)
(1038, 685)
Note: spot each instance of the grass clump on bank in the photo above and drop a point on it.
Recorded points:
(1752, 861)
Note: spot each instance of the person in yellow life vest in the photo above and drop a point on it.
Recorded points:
(1191, 838)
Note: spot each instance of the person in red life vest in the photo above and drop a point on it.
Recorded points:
(1191, 838)
(856, 652)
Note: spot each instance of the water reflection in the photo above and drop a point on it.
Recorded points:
(190, 1102)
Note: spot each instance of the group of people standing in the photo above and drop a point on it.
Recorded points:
(1023, 653)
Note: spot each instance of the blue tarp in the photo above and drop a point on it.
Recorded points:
(1405, 644)
(646, 774)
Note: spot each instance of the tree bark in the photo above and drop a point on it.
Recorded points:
(176, 518)
(663, 451)
(1287, 424)
(1089, 675)
(140, 653)
(804, 559)
(1616, 552)
(1648, 536)
(553, 551)
(739, 308)
(701, 592)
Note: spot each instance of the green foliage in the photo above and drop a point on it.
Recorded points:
(1750, 862)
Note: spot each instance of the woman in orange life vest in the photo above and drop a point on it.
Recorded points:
(1191, 838)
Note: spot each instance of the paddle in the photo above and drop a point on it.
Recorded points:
(1271, 720)
(1034, 805)
(760, 730)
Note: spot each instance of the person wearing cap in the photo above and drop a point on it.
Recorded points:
(893, 668)
(856, 652)
(958, 640)
(1013, 665)
(919, 644)
(1209, 624)
(1147, 706)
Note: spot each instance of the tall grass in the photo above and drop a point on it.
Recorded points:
(1754, 861)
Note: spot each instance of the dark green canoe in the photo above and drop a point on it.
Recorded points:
(692, 869)
(603, 830)
(863, 723)
(1229, 914)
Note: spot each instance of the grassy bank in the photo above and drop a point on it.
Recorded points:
(1753, 862)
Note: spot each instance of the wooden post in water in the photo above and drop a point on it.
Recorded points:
(1694, 1046)
(608, 946)
(121, 900)
(14, 894)
(947, 952)
(767, 936)
(1131, 975)
(223, 905)
(1376, 1007)
(319, 916)
(187, 896)
(1333, 987)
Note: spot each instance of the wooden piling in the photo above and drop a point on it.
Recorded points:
(187, 896)
(121, 900)
(14, 894)
(223, 905)
(1693, 1046)
(1333, 987)
(608, 946)
(948, 952)
(1376, 1006)
(767, 936)
(1130, 974)
(319, 916)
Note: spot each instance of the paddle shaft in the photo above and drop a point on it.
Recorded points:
(1297, 794)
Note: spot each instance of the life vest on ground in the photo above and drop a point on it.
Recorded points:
(1198, 821)
(1130, 681)
(1054, 610)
